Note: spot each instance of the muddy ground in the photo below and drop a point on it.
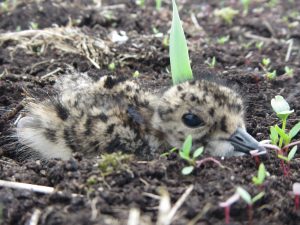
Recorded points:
(40, 40)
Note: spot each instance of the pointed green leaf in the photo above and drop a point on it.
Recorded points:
(244, 195)
(283, 157)
(294, 131)
(179, 56)
(258, 197)
(183, 156)
(282, 134)
(198, 152)
(261, 173)
(256, 181)
(187, 146)
(274, 135)
(187, 170)
(292, 153)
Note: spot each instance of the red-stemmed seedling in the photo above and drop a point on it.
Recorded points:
(296, 192)
(280, 139)
(226, 205)
(249, 200)
(261, 176)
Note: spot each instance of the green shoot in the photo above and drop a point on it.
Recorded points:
(247, 197)
(222, 40)
(227, 14)
(279, 136)
(185, 153)
(136, 74)
(261, 175)
(179, 57)
(266, 62)
(211, 63)
(288, 71)
(112, 66)
(290, 155)
(245, 4)
(259, 45)
(34, 26)
(169, 152)
(158, 4)
(271, 75)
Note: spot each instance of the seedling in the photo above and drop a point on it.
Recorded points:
(136, 74)
(112, 66)
(271, 74)
(279, 136)
(259, 45)
(296, 192)
(226, 205)
(179, 57)
(222, 40)
(227, 14)
(34, 25)
(261, 175)
(185, 153)
(245, 4)
(211, 63)
(249, 200)
(288, 71)
(240, 193)
(266, 62)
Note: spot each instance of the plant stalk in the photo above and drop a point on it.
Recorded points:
(283, 128)
(227, 214)
(297, 201)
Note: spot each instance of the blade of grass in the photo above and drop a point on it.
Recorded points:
(179, 56)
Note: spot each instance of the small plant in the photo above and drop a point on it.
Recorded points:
(179, 57)
(279, 136)
(227, 14)
(240, 193)
(288, 71)
(222, 40)
(259, 45)
(249, 200)
(261, 175)
(226, 205)
(136, 74)
(112, 66)
(265, 64)
(211, 63)
(296, 192)
(34, 26)
(185, 153)
(245, 4)
(271, 74)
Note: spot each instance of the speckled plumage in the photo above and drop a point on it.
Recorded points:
(113, 114)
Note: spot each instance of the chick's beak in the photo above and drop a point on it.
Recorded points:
(242, 141)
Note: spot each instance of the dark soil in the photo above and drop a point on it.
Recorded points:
(77, 33)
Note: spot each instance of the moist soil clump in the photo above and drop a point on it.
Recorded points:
(41, 40)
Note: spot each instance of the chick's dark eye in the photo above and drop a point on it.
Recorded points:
(192, 120)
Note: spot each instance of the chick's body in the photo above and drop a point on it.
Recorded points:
(117, 115)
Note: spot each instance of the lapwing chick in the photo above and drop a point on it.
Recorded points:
(113, 114)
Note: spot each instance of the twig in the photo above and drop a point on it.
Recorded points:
(35, 217)
(179, 202)
(134, 217)
(51, 73)
(31, 187)
(288, 53)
